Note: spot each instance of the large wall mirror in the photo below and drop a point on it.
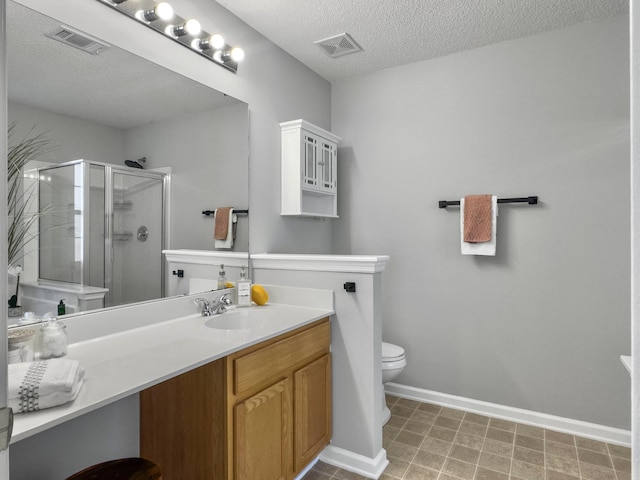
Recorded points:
(108, 108)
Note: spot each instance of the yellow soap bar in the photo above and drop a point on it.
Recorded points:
(259, 295)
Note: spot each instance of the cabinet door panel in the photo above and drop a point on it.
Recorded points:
(310, 177)
(328, 164)
(263, 434)
(312, 410)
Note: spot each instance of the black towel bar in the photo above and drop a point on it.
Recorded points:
(212, 212)
(533, 200)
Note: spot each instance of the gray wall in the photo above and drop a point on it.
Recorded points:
(71, 139)
(208, 170)
(541, 325)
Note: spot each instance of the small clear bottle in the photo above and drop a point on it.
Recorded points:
(222, 278)
(244, 289)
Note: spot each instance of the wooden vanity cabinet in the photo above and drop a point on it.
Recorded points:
(262, 413)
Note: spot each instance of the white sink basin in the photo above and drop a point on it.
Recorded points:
(241, 319)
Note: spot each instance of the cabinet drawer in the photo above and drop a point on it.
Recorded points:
(258, 367)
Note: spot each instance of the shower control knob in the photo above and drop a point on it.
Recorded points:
(143, 233)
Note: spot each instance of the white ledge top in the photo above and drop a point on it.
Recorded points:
(320, 263)
(207, 257)
(65, 287)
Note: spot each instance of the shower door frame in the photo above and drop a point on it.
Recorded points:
(109, 171)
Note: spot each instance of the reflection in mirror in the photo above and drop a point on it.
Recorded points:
(109, 108)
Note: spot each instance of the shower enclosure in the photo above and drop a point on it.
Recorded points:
(102, 225)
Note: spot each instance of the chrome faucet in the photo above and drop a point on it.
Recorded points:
(220, 306)
(206, 307)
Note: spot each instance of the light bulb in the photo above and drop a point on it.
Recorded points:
(237, 54)
(214, 42)
(190, 27)
(162, 11)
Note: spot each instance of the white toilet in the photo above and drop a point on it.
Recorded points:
(393, 362)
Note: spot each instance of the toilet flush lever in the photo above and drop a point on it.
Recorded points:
(350, 287)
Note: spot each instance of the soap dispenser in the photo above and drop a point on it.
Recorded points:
(222, 278)
(62, 309)
(244, 289)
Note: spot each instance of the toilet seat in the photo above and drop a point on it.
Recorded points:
(392, 353)
(393, 362)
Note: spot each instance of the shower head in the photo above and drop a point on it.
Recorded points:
(136, 163)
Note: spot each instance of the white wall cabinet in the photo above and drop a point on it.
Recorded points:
(309, 157)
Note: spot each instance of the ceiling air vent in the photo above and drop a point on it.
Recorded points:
(338, 45)
(78, 40)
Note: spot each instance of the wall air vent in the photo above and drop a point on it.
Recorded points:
(338, 45)
(79, 40)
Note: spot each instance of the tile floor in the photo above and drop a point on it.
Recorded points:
(428, 442)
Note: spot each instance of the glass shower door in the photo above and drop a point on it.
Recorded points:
(136, 238)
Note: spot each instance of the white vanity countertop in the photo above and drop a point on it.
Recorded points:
(124, 363)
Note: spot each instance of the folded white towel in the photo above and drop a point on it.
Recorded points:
(37, 385)
(483, 248)
(228, 242)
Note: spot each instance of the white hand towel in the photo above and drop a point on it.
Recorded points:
(37, 385)
(228, 242)
(484, 248)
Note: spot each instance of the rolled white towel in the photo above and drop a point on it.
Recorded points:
(37, 385)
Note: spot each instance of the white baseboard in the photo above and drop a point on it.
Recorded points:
(354, 462)
(306, 469)
(594, 431)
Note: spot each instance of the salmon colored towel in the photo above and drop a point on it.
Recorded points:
(477, 218)
(221, 230)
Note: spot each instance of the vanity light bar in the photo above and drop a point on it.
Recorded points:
(187, 32)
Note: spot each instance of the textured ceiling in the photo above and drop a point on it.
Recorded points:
(398, 32)
(115, 88)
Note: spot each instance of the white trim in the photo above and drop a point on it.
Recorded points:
(354, 462)
(207, 257)
(310, 127)
(616, 436)
(320, 263)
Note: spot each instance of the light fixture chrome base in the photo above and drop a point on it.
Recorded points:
(131, 7)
